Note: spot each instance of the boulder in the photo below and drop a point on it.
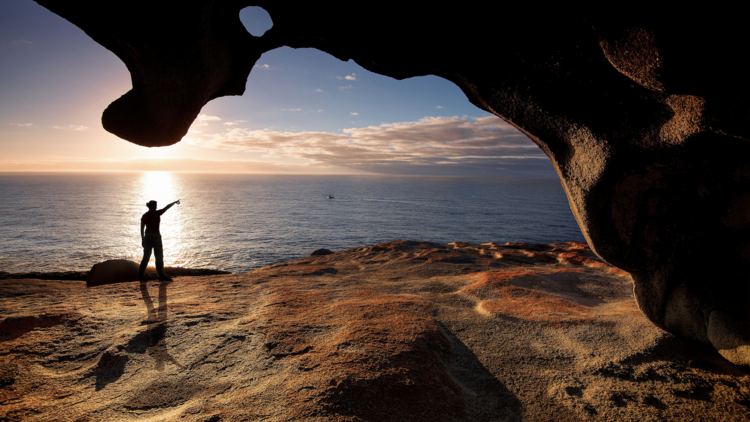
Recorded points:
(643, 112)
(112, 271)
(321, 252)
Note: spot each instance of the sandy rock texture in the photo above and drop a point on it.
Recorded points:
(642, 110)
(407, 331)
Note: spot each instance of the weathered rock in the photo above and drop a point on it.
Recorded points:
(375, 333)
(112, 271)
(643, 112)
(320, 252)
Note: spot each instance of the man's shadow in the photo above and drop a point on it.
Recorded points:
(111, 365)
(156, 345)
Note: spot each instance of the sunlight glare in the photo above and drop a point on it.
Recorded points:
(159, 186)
(162, 187)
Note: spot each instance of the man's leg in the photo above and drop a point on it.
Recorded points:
(144, 262)
(159, 254)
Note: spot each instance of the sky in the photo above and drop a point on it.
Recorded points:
(303, 112)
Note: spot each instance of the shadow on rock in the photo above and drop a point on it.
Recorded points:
(110, 368)
(153, 340)
(487, 398)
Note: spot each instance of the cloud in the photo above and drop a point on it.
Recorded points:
(354, 114)
(291, 109)
(72, 127)
(345, 87)
(206, 118)
(317, 90)
(22, 42)
(351, 77)
(234, 123)
(166, 164)
(262, 66)
(203, 119)
(439, 107)
(486, 142)
(23, 124)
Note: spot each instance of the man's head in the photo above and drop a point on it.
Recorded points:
(151, 205)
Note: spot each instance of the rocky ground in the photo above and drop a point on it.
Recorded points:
(403, 331)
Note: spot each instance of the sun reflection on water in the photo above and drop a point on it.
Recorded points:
(164, 188)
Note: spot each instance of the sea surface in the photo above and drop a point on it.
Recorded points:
(68, 222)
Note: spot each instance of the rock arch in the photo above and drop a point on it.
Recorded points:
(644, 114)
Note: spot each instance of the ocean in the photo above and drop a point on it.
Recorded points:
(69, 222)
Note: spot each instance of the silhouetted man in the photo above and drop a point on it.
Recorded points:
(151, 239)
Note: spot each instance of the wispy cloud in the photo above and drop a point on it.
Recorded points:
(354, 114)
(21, 42)
(352, 77)
(234, 123)
(262, 66)
(317, 90)
(435, 141)
(291, 109)
(203, 119)
(346, 87)
(22, 124)
(72, 127)
(166, 164)
(439, 107)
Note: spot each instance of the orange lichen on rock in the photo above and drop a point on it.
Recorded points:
(617, 271)
(572, 258)
(498, 297)
(487, 283)
(628, 307)
(363, 355)
(441, 255)
(536, 306)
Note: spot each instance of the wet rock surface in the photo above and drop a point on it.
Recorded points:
(399, 331)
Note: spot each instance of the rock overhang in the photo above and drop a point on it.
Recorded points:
(642, 112)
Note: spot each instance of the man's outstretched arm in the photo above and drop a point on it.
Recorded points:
(169, 206)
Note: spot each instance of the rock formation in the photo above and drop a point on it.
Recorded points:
(122, 270)
(112, 271)
(399, 331)
(643, 112)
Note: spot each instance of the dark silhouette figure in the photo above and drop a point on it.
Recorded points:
(151, 239)
(157, 327)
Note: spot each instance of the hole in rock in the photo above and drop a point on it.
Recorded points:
(256, 20)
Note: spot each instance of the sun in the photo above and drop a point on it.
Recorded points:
(158, 186)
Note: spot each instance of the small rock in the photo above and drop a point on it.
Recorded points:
(112, 271)
(320, 252)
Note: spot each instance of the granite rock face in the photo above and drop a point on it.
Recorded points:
(643, 114)
(404, 330)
